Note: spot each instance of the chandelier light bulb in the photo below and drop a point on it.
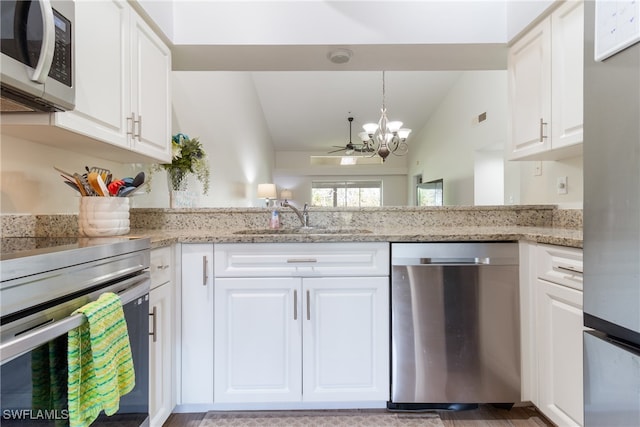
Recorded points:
(404, 133)
(393, 127)
(370, 128)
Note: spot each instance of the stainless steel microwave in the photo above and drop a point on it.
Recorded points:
(37, 63)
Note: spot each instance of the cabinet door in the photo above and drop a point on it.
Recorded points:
(560, 353)
(150, 92)
(161, 341)
(567, 27)
(197, 324)
(529, 75)
(346, 339)
(102, 64)
(257, 340)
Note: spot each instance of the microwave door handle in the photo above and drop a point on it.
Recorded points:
(41, 72)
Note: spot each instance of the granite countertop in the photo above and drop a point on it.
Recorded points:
(534, 223)
(549, 235)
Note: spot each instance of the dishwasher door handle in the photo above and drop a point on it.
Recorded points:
(456, 261)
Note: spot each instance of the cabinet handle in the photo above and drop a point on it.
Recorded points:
(139, 122)
(308, 305)
(296, 260)
(542, 135)
(154, 324)
(295, 304)
(204, 271)
(162, 267)
(131, 124)
(569, 268)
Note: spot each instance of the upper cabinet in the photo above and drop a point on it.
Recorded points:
(123, 90)
(545, 87)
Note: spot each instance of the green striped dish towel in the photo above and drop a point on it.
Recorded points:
(100, 362)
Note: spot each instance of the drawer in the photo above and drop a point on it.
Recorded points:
(560, 265)
(161, 263)
(301, 259)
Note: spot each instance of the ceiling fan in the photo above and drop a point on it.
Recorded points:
(350, 147)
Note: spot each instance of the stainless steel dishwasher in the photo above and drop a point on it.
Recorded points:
(455, 325)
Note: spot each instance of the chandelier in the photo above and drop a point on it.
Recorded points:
(385, 137)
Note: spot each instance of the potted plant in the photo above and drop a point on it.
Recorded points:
(187, 157)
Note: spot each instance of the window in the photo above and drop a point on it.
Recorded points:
(430, 193)
(346, 193)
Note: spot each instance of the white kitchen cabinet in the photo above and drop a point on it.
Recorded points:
(196, 361)
(257, 340)
(545, 87)
(123, 90)
(297, 331)
(556, 282)
(345, 339)
(161, 337)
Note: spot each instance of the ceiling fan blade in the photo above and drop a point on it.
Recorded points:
(335, 151)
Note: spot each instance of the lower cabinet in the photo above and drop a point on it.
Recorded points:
(560, 328)
(552, 331)
(161, 337)
(196, 333)
(291, 339)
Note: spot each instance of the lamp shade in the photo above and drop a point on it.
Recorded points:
(286, 194)
(267, 191)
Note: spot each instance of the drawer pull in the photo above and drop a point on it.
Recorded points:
(569, 268)
(295, 304)
(204, 271)
(154, 330)
(300, 260)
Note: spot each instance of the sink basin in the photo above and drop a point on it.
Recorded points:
(305, 230)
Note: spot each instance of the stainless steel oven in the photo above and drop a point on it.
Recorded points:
(39, 290)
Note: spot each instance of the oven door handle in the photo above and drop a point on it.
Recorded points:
(40, 335)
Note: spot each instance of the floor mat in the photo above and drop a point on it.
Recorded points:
(339, 418)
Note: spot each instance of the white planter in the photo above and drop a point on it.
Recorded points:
(103, 216)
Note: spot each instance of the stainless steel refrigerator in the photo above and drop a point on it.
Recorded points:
(612, 214)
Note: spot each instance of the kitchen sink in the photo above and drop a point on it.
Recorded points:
(305, 230)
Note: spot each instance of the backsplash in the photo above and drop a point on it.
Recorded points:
(257, 218)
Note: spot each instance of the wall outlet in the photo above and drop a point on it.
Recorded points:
(562, 185)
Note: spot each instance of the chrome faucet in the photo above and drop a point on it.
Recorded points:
(302, 216)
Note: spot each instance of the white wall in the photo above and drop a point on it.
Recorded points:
(29, 184)
(537, 189)
(222, 109)
(521, 13)
(351, 22)
(445, 147)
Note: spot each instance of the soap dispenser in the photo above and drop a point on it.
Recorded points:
(274, 222)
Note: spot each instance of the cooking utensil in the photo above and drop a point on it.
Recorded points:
(68, 175)
(83, 185)
(103, 186)
(126, 191)
(138, 180)
(73, 185)
(93, 181)
(103, 172)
